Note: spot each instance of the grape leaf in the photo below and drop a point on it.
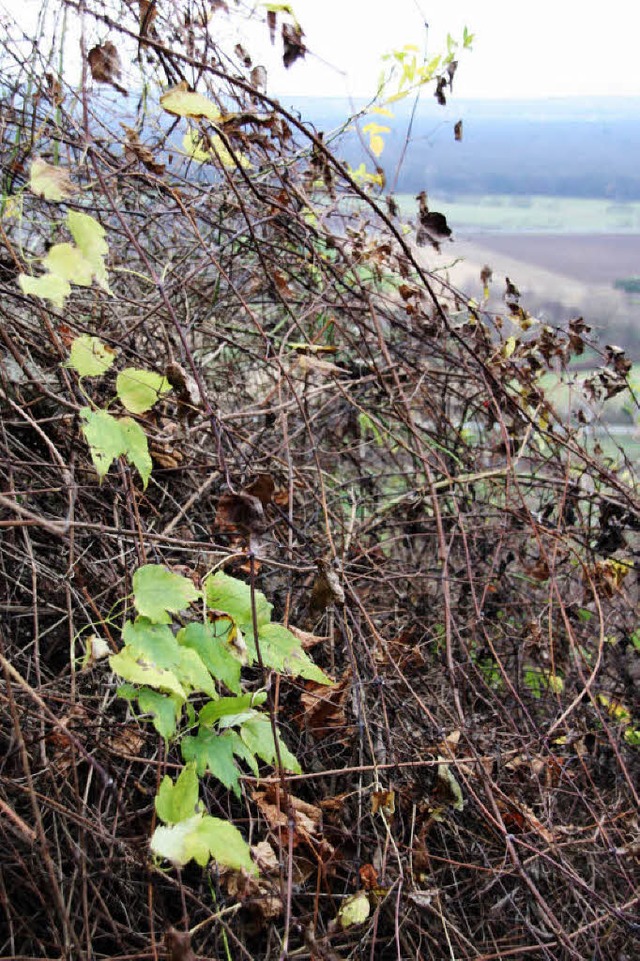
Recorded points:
(230, 706)
(282, 651)
(89, 236)
(179, 801)
(52, 183)
(67, 261)
(157, 590)
(136, 448)
(140, 389)
(185, 103)
(90, 357)
(212, 751)
(201, 837)
(48, 287)
(257, 734)
(110, 438)
(152, 641)
(354, 910)
(125, 664)
(228, 594)
(214, 651)
(165, 710)
(103, 434)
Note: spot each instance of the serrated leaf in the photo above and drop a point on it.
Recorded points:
(139, 390)
(212, 751)
(231, 706)
(258, 737)
(165, 711)
(201, 837)
(282, 651)
(48, 287)
(228, 594)
(138, 671)
(110, 438)
(103, 434)
(157, 590)
(50, 182)
(192, 672)
(226, 844)
(68, 262)
(152, 641)
(178, 801)
(90, 357)
(214, 651)
(89, 236)
(181, 843)
(182, 102)
(137, 448)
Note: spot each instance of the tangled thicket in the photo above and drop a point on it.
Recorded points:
(383, 451)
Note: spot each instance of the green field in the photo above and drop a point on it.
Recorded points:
(510, 213)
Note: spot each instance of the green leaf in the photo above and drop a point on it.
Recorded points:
(103, 434)
(201, 837)
(224, 593)
(258, 737)
(212, 751)
(52, 183)
(179, 801)
(138, 390)
(181, 843)
(226, 844)
(126, 665)
(282, 651)
(47, 287)
(165, 711)
(110, 438)
(136, 448)
(192, 671)
(89, 236)
(230, 706)
(157, 590)
(214, 651)
(90, 357)
(152, 641)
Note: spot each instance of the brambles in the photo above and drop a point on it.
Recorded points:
(330, 436)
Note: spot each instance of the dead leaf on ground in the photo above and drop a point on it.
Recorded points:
(178, 945)
(240, 513)
(323, 709)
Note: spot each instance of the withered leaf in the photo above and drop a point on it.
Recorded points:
(240, 512)
(262, 487)
(457, 131)
(105, 66)
(178, 945)
(258, 77)
(294, 47)
(134, 150)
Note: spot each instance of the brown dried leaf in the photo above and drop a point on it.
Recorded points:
(294, 48)
(323, 709)
(134, 150)
(104, 62)
(178, 945)
(240, 513)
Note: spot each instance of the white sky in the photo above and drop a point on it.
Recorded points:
(523, 48)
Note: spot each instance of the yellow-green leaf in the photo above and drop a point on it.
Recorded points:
(90, 357)
(89, 236)
(354, 910)
(52, 183)
(68, 262)
(185, 103)
(140, 389)
(48, 287)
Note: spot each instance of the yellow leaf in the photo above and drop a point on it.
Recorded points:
(52, 183)
(66, 261)
(183, 102)
(192, 145)
(354, 910)
(49, 287)
(376, 143)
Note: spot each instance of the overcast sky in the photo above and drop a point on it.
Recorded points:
(544, 48)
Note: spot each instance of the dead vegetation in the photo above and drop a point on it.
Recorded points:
(380, 455)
